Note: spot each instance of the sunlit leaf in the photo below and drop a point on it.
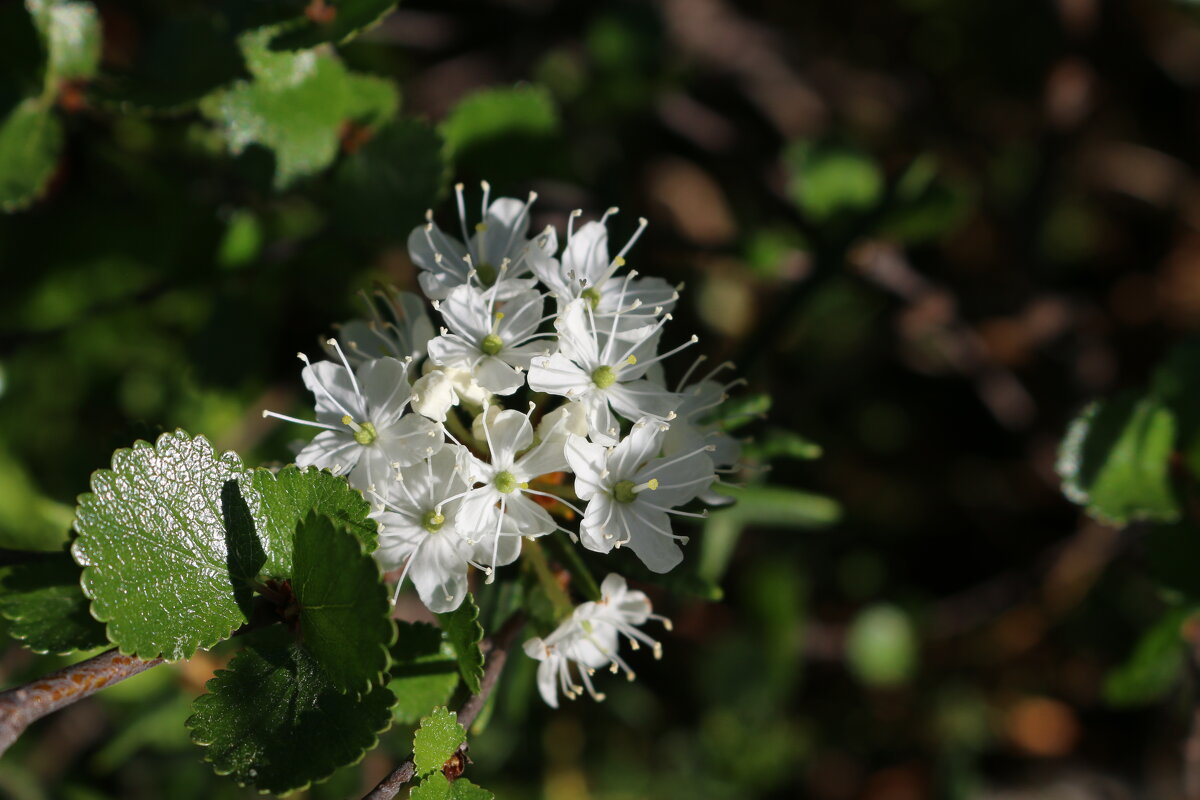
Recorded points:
(436, 740)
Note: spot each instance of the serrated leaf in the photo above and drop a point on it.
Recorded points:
(344, 605)
(286, 497)
(30, 140)
(274, 719)
(396, 175)
(436, 740)
(156, 548)
(424, 671)
(71, 31)
(828, 180)
(1156, 664)
(173, 537)
(464, 633)
(300, 121)
(47, 608)
(437, 787)
(352, 18)
(1115, 460)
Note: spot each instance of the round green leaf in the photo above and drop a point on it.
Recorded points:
(47, 608)
(158, 553)
(424, 671)
(464, 633)
(1115, 460)
(436, 740)
(274, 719)
(344, 607)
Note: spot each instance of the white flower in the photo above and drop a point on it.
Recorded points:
(442, 387)
(495, 346)
(586, 272)
(631, 492)
(399, 327)
(497, 249)
(589, 639)
(500, 506)
(603, 372)
(366, 433)
(417, 529)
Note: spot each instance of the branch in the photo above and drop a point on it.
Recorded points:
(26, 704)
(390, 786)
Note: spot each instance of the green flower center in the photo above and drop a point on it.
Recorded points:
(627, 491)
(604, 377)
(505, 482)
(433, 521)
(592, 295)
(491, 344)
(486, 273)
(364, 432)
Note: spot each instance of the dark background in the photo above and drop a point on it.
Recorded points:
(934, 336)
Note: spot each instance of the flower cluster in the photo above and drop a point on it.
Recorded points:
(431, 425)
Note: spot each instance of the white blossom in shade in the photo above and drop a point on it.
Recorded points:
(589, 639)
(494, 344)
(631, 493)
(442, 387)
(498, 247)
(365, 432)
(693, 426)
(569, 419)
(499, 510)
(399, 327)
(603, 372)
(418, 530)
(586, 272)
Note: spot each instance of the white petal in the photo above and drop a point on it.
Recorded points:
(385, 388)
(509, 434)
(642, 444)
(332, 450)
(587, 253)
(587, 461)
(498, 377)
(466, 313)
(556, 374)
(331, 385)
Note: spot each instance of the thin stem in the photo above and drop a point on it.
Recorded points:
(497, 654)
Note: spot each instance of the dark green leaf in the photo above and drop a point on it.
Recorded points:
(778, 443)
(1155, 665)
(299, 111)
(828, 180)
(385, 187)
(344, 606)
(158, 552)
(1115, 460)
(30, 138)
(502, 133)
(436, 740)
(352, 18)
(274, 719)
(464, 633)
(424, 673)
(47, 608)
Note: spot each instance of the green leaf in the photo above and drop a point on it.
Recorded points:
(881, 646)
(344, 606)
(1115, 460)
(275, 720)
(828, 180)
(299, 110)
(158, 553)
(47, 608)
(504, 133)
(173, 538)
(389, 182)
(779, 443)
(436, 740)
(352, 18)
(71, 31)
(437, 787)
(288, 496)
(741, 411)
(424, 671)
(464, 633)
(30, 139)
(1155, 665)
(779, 506)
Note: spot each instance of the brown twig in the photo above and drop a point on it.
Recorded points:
(23, 705)
(390, 786)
